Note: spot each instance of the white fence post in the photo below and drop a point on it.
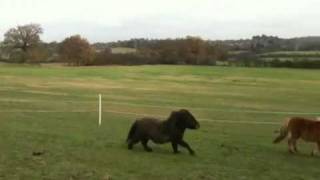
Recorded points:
(100, 109)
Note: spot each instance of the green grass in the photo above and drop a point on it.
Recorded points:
(53, 109)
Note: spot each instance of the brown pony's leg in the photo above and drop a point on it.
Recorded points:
(318, 145)
(315, 150)
(290, 145)
(294, 142)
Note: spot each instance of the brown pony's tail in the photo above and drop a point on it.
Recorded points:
(132, 131)
(283, 132)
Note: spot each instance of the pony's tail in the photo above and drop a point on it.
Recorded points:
(132, 131)
(283, 132)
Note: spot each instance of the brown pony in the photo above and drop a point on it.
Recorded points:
(297, 127)
(170, 130)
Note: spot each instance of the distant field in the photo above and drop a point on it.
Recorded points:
(316, 53)
(284, 55)
(53, 109)
(293, 59)
(123, 50)
(292, 55)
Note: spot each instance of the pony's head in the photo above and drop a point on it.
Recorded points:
(184, 119)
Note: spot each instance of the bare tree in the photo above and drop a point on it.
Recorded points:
(23, 37)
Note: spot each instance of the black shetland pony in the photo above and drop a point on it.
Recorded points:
(170, 130)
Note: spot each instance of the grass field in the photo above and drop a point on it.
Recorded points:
(292, 55)
(123, 50)
(54, 110)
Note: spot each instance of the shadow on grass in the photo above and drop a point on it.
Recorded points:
(156, 150)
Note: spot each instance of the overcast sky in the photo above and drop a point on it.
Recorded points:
(109, 20)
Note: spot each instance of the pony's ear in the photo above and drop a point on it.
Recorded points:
(173, 116)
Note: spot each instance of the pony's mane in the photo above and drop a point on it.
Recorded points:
(169, 124)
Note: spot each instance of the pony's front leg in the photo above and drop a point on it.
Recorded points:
(175, 147)
(316, 150)
(186, 145)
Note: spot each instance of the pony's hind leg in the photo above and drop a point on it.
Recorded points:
(294, 142)
(144, 143)
(132, 142)
(291, 145)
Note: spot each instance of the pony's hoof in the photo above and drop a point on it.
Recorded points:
(192, 153)
(176, 152)
(149, 150)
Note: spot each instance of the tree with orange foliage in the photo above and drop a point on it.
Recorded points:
(76, 51)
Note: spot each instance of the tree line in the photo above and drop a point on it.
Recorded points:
(23, 44)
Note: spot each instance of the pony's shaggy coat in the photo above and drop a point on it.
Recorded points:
(170, 130)
(297, 127)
